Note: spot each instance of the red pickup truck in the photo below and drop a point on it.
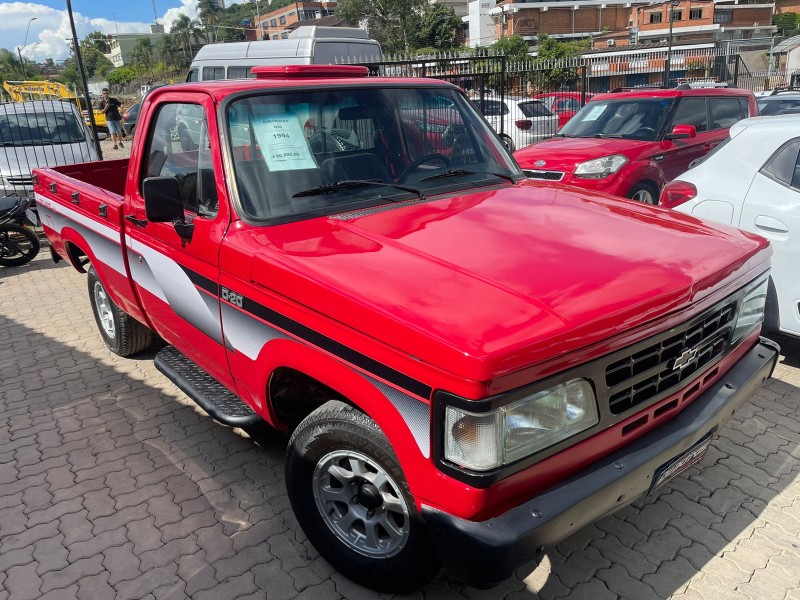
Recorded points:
(473, 366)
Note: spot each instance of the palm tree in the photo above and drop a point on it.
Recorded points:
(209, 11)
(186, 31)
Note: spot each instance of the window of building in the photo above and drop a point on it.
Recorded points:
(326, 12)
(677, 15)
(306, 15)
(275, 36)
(695, 13)
(284, 36)
(273, 22)
(282, 19)
(723, 16)
(655, 17)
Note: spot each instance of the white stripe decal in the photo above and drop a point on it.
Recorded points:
(104, 230)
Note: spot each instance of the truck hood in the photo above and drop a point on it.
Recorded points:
(564, 154)
(487, 283)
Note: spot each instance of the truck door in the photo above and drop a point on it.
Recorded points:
(177, 278)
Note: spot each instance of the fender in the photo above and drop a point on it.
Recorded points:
(645, 170)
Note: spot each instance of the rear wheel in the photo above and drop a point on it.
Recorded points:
(17, 245)
(123, 334)
(645, 192)
(352, 501)
(507, 142)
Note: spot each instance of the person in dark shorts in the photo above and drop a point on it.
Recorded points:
(110, 108)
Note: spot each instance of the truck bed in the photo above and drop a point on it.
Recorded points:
(109, 175)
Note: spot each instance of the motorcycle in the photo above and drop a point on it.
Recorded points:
(18, 244)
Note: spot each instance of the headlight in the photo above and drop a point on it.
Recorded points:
(600, 167)
(751, 308)
(485, 441)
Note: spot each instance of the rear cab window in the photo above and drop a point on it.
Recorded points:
(534, 109)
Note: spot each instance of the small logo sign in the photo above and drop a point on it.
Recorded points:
(686, 358)
(539, 163)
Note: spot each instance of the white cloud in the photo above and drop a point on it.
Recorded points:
(49, 32)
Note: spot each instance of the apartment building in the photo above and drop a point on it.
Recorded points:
(276, 25)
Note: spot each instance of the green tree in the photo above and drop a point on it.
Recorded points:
(388, 21)
(555, 65)
(210, 13)
(514, 47)
(121, 76)
(437, 27)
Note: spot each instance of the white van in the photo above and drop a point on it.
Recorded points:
(308, 45)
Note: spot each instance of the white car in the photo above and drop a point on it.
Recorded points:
(518, 121)
(752, 181)
(40, 133)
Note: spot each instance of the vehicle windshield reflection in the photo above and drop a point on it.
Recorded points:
(303, 154)
(634, 119)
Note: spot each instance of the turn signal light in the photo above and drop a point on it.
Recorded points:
(677, 192)
(523, 124)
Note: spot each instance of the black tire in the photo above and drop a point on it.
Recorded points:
(507, 142)
(335, 434)
(18, 245)
(185, 138)
(645, 192)
(123, 334)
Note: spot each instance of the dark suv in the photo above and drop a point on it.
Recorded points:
(631, 143)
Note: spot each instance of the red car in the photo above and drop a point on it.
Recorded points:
(564, 104)
(631, 143)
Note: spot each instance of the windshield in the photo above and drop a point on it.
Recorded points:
(775, 106)
(40, 129)
(320, 152)
(634, 118)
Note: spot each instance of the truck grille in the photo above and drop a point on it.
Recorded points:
(547, 175)
(658, 367)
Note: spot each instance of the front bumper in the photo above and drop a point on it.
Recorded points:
(485, 553)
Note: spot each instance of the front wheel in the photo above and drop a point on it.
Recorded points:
(123, 334)
(17, 245)
(352, 501)
(644, 192)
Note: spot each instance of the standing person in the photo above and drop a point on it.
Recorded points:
(110, 108)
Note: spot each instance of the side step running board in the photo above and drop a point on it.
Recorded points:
(207, 392)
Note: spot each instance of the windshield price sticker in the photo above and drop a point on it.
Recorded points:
(283, 143)
(595, 113)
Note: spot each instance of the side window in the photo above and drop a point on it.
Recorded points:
(691, 111)
(187, 159)
(724, 112)
(744, 107)
(783, 165)
(210, 73)
(192, 76)
(239, 72)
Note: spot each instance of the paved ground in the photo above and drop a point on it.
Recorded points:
(114, 485)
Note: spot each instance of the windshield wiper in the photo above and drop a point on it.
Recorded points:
(458, 172)
(605, 136)
(354, 183)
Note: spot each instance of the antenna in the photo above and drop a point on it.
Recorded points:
(155, 14)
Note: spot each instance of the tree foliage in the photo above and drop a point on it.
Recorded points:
(391, 22)
(514, 47)
(437, 27)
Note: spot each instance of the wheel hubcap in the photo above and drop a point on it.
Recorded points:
(361, 504)
(643, 196)
(103, 304)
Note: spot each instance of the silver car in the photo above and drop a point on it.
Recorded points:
(40, 133)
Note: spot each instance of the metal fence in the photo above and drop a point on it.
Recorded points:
(40, 133)
(577, 79)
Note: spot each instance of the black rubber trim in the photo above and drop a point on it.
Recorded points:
(486, 553)
(207, 392)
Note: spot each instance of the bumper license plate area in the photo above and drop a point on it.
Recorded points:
(31, 216)
(674, 467)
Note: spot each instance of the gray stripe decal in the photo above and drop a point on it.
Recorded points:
(416, 414)
(106, 250)
(245, 334)
(170, 282)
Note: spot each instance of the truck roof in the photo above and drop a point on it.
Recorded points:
(672, 93)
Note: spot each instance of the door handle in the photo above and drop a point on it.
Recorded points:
(135, 221)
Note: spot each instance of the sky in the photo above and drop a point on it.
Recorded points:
(49, 32)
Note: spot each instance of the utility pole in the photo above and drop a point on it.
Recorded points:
(672, 5)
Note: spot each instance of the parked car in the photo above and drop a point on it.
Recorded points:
(631, 143)
(40, 133)
(753, 182)
(778, 102)
(472, 366)
(129, 118)
(524, 121)
(563, 104)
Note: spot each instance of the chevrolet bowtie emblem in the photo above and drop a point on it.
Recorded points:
(686, 358)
